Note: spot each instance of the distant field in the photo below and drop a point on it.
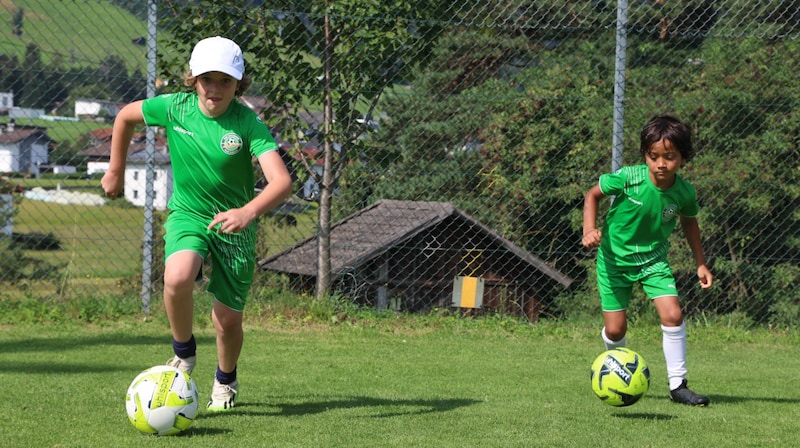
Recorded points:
(79, 32)
(104, 242)
(97, 242)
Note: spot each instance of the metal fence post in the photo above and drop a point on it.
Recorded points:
(619, 84)
(147, 243)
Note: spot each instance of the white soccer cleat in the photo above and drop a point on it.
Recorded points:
(185, 364)
(222, 396)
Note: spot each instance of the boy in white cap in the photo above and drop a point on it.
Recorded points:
(212, 140)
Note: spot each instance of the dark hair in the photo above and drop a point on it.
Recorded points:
(244, 84)
(667, 127)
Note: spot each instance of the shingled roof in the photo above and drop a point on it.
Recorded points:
(374, 230)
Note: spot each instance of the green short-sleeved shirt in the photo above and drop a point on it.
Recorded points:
(211, 157)
(642, 217)
(212, 172)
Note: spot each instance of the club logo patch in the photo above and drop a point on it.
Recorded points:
(231, 143)
(669, 212)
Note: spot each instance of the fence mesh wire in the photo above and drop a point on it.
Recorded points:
(462, 135)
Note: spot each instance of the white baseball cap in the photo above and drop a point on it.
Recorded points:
(217, 54)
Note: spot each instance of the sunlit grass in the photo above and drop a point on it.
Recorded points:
(397, 381)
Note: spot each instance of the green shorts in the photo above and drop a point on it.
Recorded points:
(232, 255)
(615, 284)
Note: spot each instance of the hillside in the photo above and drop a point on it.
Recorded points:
(78, 32)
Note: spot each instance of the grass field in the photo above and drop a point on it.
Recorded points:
(400, 381)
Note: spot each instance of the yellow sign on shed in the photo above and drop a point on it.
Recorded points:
(468, 292)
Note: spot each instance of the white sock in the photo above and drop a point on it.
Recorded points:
(674, 342)
(612, 344)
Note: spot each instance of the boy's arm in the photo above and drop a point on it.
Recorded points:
(279, 187)
(692, 232)
(591, 235)
(124, 125)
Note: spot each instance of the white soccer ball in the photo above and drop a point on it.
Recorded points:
(162, 400)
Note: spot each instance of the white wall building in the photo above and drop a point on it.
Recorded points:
(23, 148)
(136, 180)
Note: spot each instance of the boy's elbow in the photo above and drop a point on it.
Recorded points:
(285, 186)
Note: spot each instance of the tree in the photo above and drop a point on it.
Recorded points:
(16, 22)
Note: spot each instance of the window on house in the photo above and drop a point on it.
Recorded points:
(136, 194)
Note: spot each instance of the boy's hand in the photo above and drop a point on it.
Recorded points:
(704, 274)
(592, 238)
(231, 221)
(112, 184)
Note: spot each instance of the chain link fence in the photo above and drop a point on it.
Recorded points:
(441, 149)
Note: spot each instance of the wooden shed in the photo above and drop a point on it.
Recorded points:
(409, 255)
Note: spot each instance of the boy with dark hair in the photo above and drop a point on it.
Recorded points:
(649, 200)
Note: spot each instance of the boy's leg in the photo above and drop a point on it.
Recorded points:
(674, 338)
(179, 274)
(614, 329)
(179, 305)
(230, 336)
(674, 344)
(233, 265)
(615, 288)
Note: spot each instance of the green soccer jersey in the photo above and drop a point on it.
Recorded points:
(642, 217)
(211, 158)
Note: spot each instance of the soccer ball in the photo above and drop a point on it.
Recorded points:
(162, 400)
(620, 377)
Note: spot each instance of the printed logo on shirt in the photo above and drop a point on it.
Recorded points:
(177, 128)
(669, 212)
(231, 143)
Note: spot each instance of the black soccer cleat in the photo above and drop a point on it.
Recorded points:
(684, 395)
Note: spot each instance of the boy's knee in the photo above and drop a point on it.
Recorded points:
(673, 318)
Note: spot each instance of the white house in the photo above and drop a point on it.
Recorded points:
(6, 100)
(135, 166)
(136, 180)
(23, 149)
(94, 108)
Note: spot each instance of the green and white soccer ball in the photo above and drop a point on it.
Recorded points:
(162, 400)
(620, 377)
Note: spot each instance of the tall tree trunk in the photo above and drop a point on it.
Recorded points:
(327, 185)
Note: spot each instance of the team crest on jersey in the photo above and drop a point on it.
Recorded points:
(231, 143)
(669, 212)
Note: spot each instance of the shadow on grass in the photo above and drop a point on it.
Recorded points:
(60, 344)
(41, 363)
(728, 399)
(381, 406)
(202, 432)
(644, 416)
(731, 399)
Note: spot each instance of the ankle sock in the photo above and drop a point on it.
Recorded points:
(225, 377)
(185, 349)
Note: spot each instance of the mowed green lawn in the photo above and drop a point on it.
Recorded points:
(403, 381)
